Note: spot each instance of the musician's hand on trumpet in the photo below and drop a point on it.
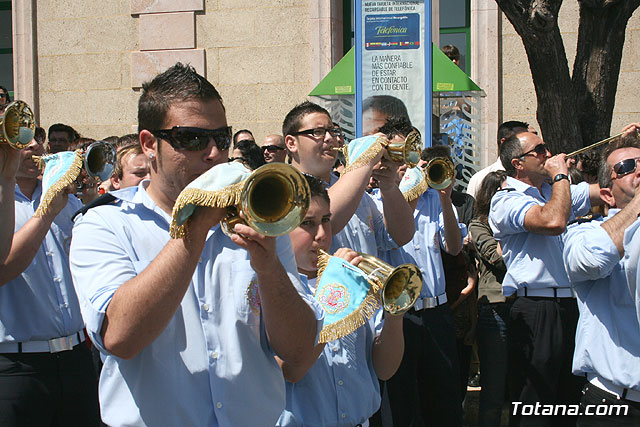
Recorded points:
(556, 164)
(349, 255)
(630, 128)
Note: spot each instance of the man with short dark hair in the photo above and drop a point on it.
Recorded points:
(596, 260)
(505, 130)
(311, 138)
(274, 149)
(188, 326)
(528, 219)
(61, 137)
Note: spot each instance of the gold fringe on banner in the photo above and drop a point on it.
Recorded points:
(353, 321)
(416, 191)
(371, 152)
(223, 198)
(67, 179)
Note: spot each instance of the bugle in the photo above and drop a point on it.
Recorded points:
(17, 125)
(99, 160)
(597, 144)
(401, 285)
(406, 151)
(439, 173)
(275, 199)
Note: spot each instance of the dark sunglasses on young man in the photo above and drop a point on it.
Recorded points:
(195, 139)
(539, 150)
(626, 166)
(272, 148)
(320, 132)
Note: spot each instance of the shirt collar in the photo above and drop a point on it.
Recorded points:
(138, 196)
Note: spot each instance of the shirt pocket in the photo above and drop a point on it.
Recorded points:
(244, 282)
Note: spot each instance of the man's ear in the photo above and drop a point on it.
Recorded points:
(291, 143)
(607, 196)
(148, 142)
(517, 163)
(115, 182)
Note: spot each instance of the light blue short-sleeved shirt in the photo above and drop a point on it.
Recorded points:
(533, 260)
(424, 248)
(631, 258)
(41, 304)
(365, 232)
(608, 335)
(212, 364)
(341, 388)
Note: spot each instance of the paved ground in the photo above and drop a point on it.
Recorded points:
(472, 402)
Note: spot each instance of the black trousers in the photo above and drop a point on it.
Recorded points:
(426, 388)
(606, 413)
(541, 341)
(49, 389)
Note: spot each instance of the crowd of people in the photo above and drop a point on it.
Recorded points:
(107, 319)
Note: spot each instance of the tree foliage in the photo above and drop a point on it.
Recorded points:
(573, 109)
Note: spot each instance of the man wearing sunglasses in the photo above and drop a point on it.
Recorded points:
(311, 138)
(598, 265)
(528, 219)
(182, 339)
(274, 149)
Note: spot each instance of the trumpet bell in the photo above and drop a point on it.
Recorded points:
(439, 173)
(401, 286)
(275, 200)
(17, 125)
(407, 151)
(100, 160)
(402, 289)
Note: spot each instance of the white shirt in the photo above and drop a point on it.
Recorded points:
(476, 179)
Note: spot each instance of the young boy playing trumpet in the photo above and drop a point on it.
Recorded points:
(339, 386)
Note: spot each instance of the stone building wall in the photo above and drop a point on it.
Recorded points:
(263, 56)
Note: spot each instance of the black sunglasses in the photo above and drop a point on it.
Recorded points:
(539, 149)
(626, 166)
(195, 139)
(271, 148)
(320, 132)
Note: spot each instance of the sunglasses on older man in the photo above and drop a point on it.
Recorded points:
(626, 166)
(272, 148)
(538, 150)
(195, 139)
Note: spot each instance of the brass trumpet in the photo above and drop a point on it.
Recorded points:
(406, 152)
(597, 144)
(439, 172)
(275, 200)
(17, 125)
(100, 160)
(401, 285)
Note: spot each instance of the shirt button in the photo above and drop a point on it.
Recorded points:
(214, 355)
(205, 307)
(219, 405)
(57, 279)
(49, 253)
(340, 382)
(343, 415)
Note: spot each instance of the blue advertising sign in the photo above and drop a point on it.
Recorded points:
(385, 32)
(393, 64)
